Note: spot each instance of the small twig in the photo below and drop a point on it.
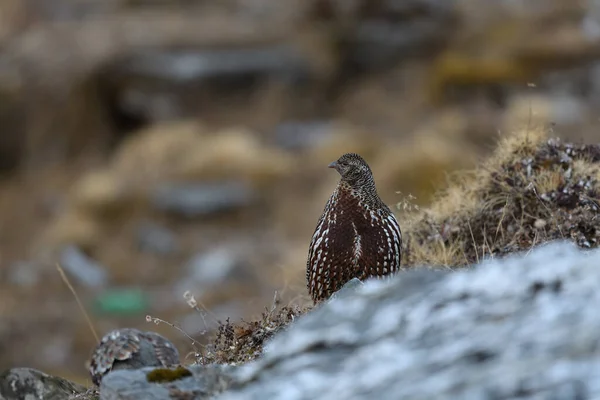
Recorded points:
(486, 245)
(467, 262)
(474, 242)
(409, 253)
(193, 303)
(535, 237)
(85, 314)
(406, 205)
(157, 321)
(499, 227)
(444, 249)
(275, 303)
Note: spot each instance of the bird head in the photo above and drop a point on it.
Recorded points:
(352, 168)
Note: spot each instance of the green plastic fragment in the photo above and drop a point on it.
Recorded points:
(126, 301)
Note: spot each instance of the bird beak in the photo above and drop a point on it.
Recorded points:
(332, 165)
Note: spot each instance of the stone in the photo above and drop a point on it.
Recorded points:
(204, 383)
(130, 348)
(222, 65)
(84, 269)
(24, 274)
(300, 135)
(393, 30)
(153, 85)
(156, 239)
(520, 327)
(348, 289)
(212, 268)
(194, 200)
(31, 384)
(222, 270)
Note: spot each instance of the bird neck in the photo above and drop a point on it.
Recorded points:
(363, 182)
(365, 192)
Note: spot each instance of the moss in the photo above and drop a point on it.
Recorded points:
(161, 375)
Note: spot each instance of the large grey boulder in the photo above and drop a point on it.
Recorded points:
(524, 327)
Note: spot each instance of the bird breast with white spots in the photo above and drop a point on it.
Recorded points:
(357, 236)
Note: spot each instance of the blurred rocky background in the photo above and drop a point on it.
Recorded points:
(154, 147)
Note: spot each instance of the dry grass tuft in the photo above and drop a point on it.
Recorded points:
(532, 190)
(235, 343)
(242, 342)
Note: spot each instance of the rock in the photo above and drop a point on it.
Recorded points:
(223, 65)
(31, 384)
(377, 44)
(121, 60)
(153, 238)
(130, 348)
(24, 274)
(153, 85)
(391, 30)
(520, 327)
(348, 289)
(204, 383)
(85, 270)
(300, 135)
(222, 270)
(213, 267)
(194, 200)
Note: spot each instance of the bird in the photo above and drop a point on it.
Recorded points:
(129, 348)
(357, 236)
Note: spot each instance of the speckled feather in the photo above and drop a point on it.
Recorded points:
(122, 345)
(356, 236)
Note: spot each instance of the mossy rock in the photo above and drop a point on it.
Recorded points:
(163, 375)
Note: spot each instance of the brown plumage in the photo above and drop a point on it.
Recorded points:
(356, 237)
(130, 348)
